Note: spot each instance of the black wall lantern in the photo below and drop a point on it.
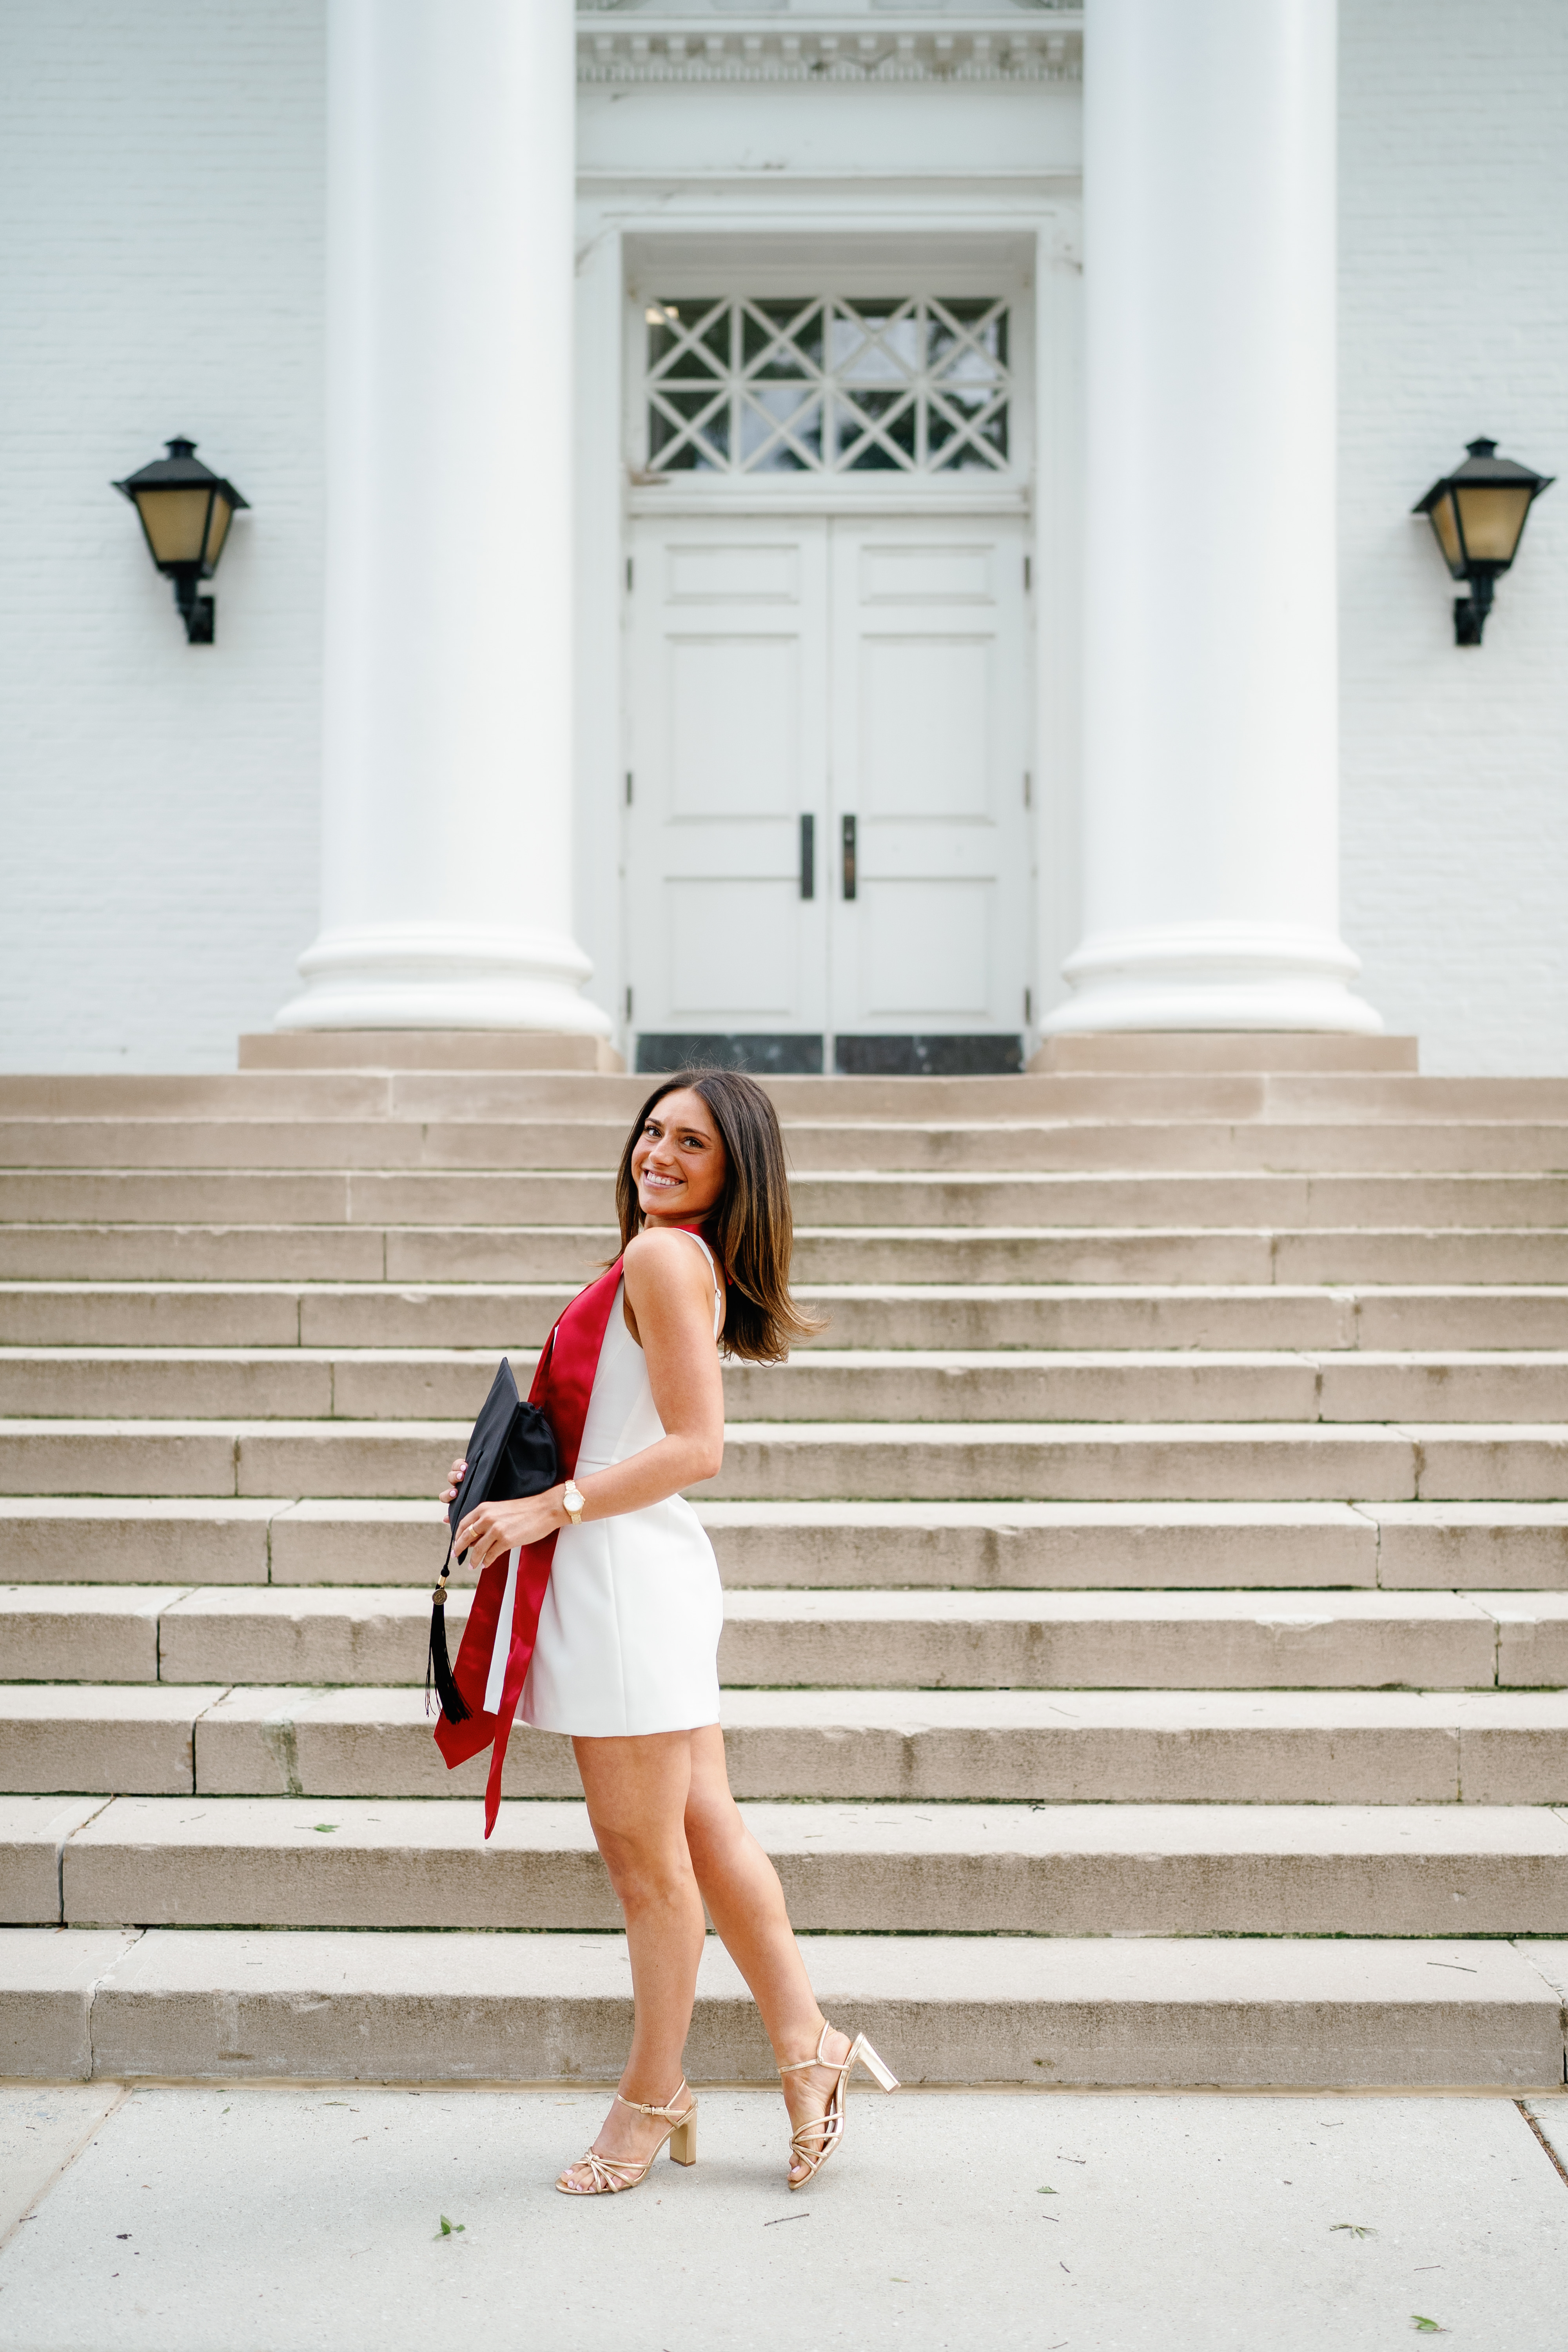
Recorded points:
(1478, 512)
(186, 510)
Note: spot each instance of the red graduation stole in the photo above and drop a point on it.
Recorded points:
(563, 1384)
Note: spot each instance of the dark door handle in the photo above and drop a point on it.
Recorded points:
(808, 858)
(849, 858)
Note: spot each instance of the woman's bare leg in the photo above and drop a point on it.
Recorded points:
(746, 1903)
(637, 1791)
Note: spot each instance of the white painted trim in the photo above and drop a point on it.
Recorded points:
(599, 607)
(927, 195)
(820, 494)
(1039, 217)
(1058, 599)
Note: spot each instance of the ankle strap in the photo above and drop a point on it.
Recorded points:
(801, 2065)
(665, 2111)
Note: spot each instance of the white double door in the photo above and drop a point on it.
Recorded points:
(826, 824)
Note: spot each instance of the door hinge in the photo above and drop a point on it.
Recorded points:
(629, 575)
(1028, 1008)
(628, 1001)
(848, 858)
(1029, 575)
(1029, 789)
(628, 787)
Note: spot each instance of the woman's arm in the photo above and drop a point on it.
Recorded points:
(670, 1292)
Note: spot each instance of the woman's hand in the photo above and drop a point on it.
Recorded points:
(495, 1528)
(455, 1478)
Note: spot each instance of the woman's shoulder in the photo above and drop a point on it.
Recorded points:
(666, 1253)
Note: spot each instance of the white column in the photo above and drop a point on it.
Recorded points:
(1210, 748)
(446, 783)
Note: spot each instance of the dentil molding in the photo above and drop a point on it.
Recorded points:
(842, 49)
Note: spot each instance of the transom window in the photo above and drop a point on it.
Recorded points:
(824, 384)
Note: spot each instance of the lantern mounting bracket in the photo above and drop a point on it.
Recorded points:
(198, 611)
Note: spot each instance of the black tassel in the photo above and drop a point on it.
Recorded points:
(438, 1664)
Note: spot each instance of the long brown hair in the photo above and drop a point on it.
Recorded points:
(749, 1227)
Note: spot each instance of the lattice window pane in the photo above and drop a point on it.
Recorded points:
(912, 383)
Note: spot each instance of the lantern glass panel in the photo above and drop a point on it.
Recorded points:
(175, 522)
(1446, 527)
(223, 515)
(1492, 516)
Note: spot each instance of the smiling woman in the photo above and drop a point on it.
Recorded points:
(625, 1659)
(706, 1148)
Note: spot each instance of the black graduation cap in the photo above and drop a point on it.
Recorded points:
(511, 1452)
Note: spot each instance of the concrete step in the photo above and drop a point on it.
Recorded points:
(1287, 1256)
(1077, 1747)
(437, 1049)
(456, 1093)
(417, 1256)
(819, 1384)
(291, 1141)
(1494, 1547)
(976, 1870)
(1235, 1049)
(1238, 1461)
(1114, 1462)
(1404, 1547)
(430, 1197)
(504, 1317)
(863, 1640)
(78, 1736)
(331, 2006)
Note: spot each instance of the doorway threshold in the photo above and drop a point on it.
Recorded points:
(781, 1053)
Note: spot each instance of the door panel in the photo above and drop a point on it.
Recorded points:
(925, 946)
(710, 983)
(728, 727)
(924, 726)
(929, 719)
(734, 725)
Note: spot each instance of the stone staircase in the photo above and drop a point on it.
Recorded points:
(1146, 1644)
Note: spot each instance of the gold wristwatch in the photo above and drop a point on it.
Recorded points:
(573, 1500)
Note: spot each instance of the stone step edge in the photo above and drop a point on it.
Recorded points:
(290, 1542)
(1051, 1431)
(982, 1512)
(172, 1636)
(818, 1361)
(764, 1605)
(1032, 1870)
(396, 2006)
(601, 1238)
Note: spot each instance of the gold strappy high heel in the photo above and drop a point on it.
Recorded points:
(827, 2129)
(610, 2174)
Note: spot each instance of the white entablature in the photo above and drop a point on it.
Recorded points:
(844, 44)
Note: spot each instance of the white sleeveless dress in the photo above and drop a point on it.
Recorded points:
(629, 1635)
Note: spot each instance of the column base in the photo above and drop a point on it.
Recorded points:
(443, 976)
(1213, 976)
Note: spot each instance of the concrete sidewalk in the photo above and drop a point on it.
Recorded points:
(254, 2219)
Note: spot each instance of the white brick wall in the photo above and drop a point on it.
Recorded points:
(1454, 322)
(161, 182)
